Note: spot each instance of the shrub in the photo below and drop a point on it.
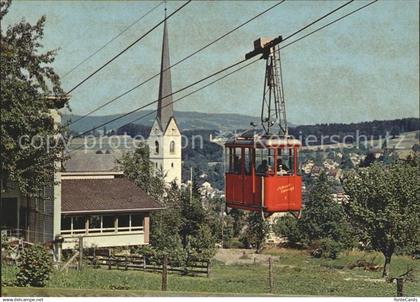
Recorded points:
(35, 265)
(325, 248)
(287, 226)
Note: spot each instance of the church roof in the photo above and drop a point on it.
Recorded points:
(165, 106)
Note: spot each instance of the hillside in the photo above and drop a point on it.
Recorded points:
(186, 120)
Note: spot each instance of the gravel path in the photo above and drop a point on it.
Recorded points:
(241, 256)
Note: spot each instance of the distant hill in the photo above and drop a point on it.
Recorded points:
(186, 120)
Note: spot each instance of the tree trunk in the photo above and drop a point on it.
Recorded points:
(387, 263)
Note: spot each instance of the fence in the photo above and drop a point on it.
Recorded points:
(149, 264)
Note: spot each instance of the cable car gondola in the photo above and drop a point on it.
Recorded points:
(262, 166)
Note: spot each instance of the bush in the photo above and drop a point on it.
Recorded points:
(35, 266)
(325, 248)
(287, 226)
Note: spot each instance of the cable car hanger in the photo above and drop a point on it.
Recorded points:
(273, 110)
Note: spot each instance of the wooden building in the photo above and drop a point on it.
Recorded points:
(106, 208)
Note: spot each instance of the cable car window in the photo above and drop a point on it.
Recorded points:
(227, 159)
(237, 160)
(285, 161)
(292, 161)
(264, 159)
(248, 161)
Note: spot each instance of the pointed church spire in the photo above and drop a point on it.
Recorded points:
(165, 107)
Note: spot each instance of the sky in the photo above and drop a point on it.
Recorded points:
(362, 68)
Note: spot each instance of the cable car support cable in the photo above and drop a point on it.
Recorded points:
(178, 62)
(128, 47)
(291, 43)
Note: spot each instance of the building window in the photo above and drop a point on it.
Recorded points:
(79, 224)
(172, 147)
(137, 221)
(108, 223)
(73, 225)
(123, 222)
(66, 224)
(172, 165)
(156, 147)
(95, 224)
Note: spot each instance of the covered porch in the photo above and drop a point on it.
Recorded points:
(106, 210)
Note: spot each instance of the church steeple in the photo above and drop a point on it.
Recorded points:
(165, 138)
(165, 107)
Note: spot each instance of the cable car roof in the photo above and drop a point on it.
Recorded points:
(262, 140)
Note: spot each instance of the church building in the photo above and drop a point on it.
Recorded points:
(165, 137)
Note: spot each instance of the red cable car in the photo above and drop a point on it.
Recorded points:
(262, 174)
(262, 166)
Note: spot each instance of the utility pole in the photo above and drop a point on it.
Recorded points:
(191, 183)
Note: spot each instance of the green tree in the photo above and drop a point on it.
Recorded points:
(288, 226)
(346, 162)
(256, 231)
(321, 216)
(27, 81)
(183, 229)
(138, 168)
(202, 245)
(322, 221)
(238, 221)
(384, 207)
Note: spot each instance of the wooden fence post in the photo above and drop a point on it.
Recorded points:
(400, 285)
(165, 273)
(208, 268)
(144, 263)
(270, 274)
(126, 262)
(80, 252)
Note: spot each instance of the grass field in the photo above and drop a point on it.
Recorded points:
(295, 273)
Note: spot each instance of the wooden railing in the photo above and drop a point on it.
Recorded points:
(149, 264)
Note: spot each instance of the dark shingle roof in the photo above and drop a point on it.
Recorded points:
(91, 162)
(112, 195)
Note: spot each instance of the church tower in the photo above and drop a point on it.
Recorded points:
(165, 137)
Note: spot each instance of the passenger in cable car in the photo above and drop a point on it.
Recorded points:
(263, 167)
(282, 169)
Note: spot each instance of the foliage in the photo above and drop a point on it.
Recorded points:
(369, 160)
(325, 248)
(228, 231)
(238, 221)
(346, 162)
(183, 229)
(287, 226)
(323, 222)
(256, 231)
(321, 216)
(294, 274)
(349, 132)
(202, 245)
(35, 266)
(138, 168)
(384, 207)
(26, 80)
(134, 130)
